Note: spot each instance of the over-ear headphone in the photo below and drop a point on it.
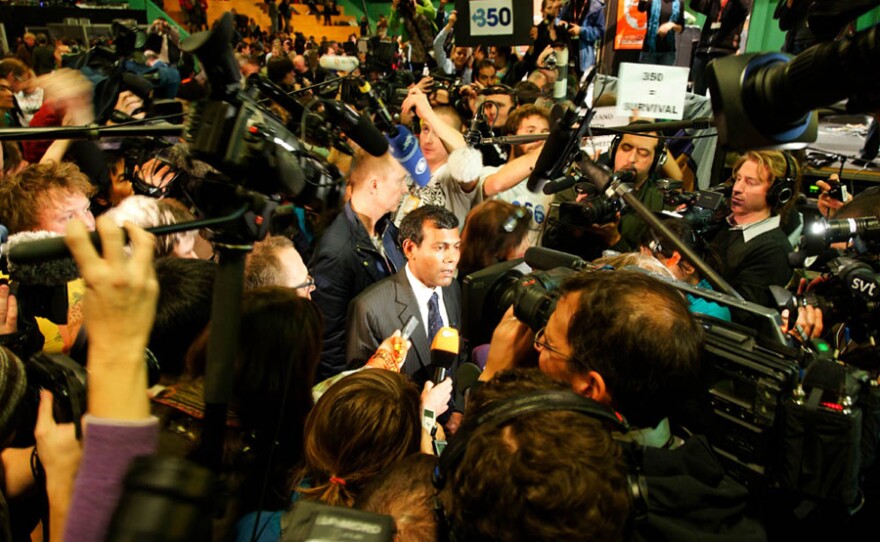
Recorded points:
(514, 407)
(659, 152)
(497, 413)
(782, 189)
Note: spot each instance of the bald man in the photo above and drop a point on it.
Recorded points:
(359, 248)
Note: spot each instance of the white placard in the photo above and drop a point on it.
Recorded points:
(491, 17)
(603, 118)
(657, 92)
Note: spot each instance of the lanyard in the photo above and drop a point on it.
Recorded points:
(720, 11)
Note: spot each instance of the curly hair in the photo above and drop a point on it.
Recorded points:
(24, 195)
(553, 475)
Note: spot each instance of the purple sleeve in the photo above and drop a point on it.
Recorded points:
(109, 447)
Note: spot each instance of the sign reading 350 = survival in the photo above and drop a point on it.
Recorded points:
(657, 92)
(491, 17)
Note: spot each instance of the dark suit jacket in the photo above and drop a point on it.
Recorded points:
(386, 306)
(345, 263)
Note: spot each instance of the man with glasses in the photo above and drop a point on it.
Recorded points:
(621, 338)
(275, 262)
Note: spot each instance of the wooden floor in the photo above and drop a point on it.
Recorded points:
(309, 25)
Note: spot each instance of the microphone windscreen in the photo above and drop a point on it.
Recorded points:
(446, 340)
(558, 186)
(444, 352)
(550, 159)
(598, 174)
(339, 63)
(36, 272)
(357, 127)
(405, 148)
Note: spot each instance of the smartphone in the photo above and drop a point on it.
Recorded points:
(409, 328)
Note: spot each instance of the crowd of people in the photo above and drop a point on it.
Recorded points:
(330, 402)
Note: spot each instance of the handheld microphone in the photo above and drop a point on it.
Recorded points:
(339, 63)
(403, 144)
(405, 148)
(444, 352)
(358, 128)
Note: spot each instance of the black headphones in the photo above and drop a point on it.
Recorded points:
(514, 407)
(659, 152)
(505, 410)
(782, 189)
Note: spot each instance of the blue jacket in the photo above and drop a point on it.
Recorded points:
(592, 24)
(345, 262)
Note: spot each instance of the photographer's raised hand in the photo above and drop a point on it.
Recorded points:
(119, 308)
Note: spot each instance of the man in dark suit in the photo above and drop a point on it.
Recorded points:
(358, 249)
(425, 289)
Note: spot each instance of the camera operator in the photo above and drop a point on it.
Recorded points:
(754, 250)
(586, 24)
(628, 341)
(574, 470)
(683, 269)
(622, 338)
(640, 154)
(548, 32)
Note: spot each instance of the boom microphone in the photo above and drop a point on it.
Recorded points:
(404, 146)
(444, 352)
(564, 138)
(339, 63)
(358, 128)
(35, 271)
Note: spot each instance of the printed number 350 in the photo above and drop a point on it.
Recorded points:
(492, 16)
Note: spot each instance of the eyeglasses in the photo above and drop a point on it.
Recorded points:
(309, 283)
(541, 344)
